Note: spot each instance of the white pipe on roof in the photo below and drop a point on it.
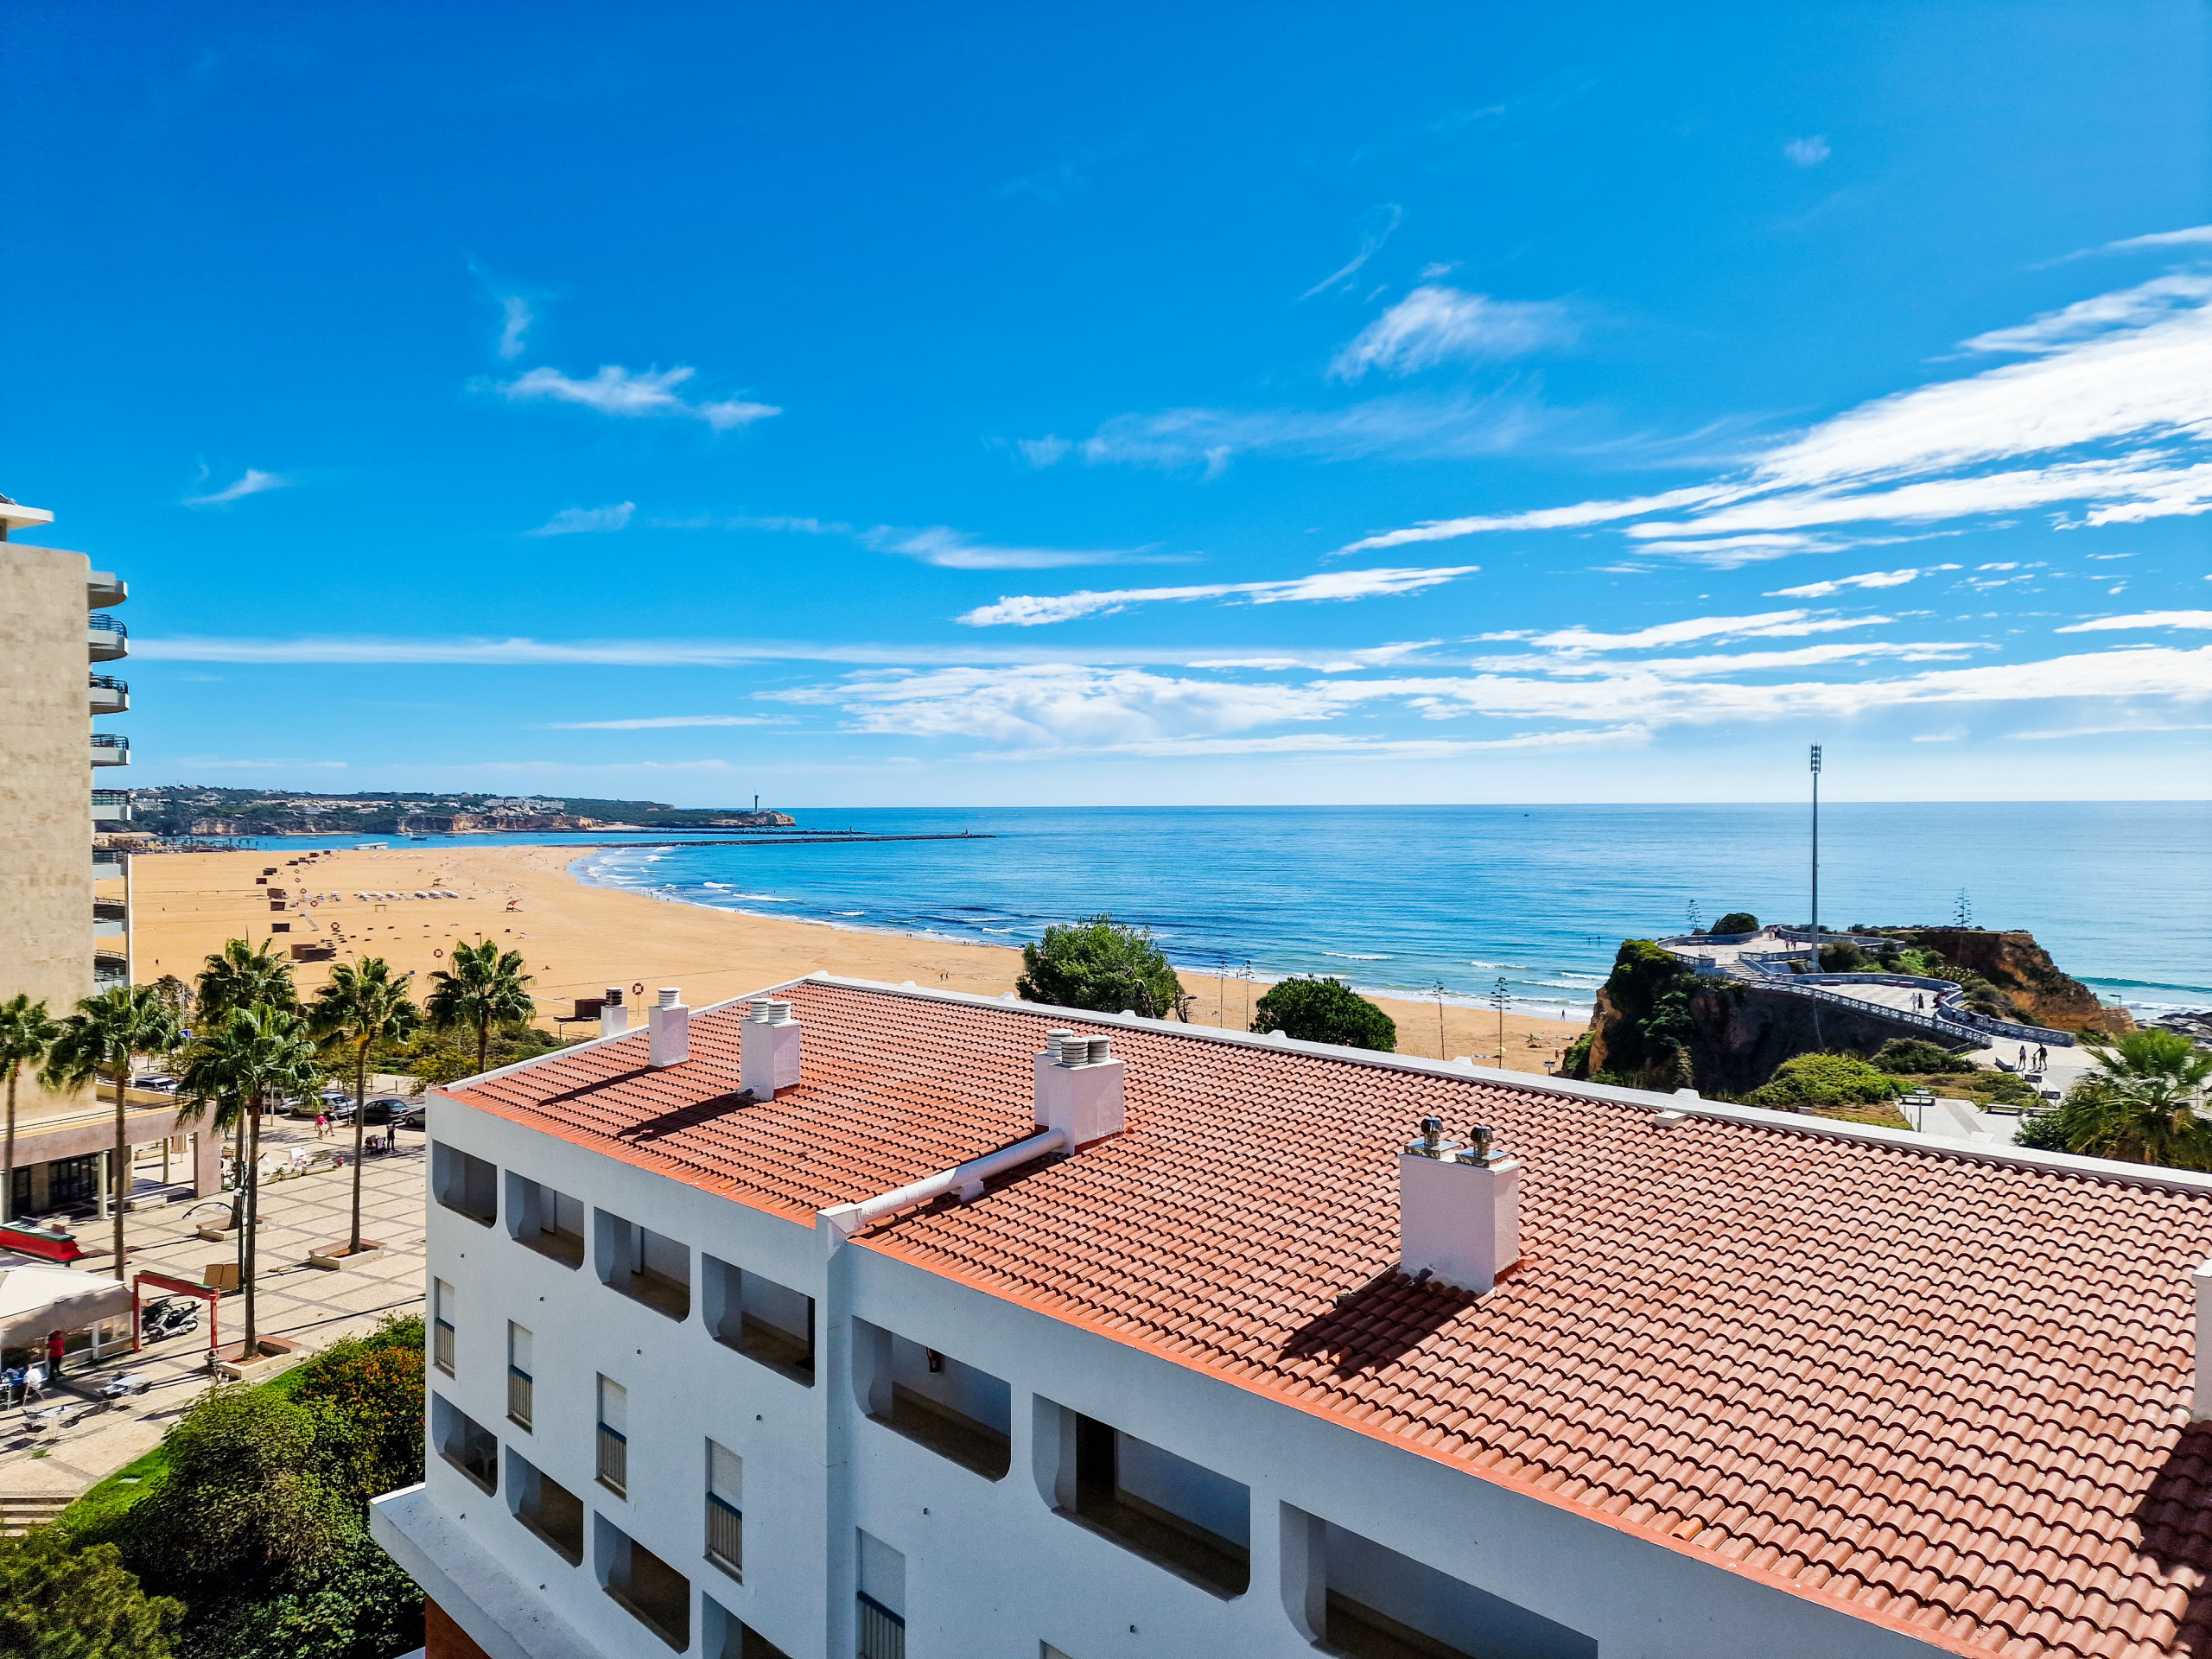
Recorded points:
(967, 1178)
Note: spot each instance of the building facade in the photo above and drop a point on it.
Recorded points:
(863, 1320)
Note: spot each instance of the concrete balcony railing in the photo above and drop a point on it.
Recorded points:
(111, 806)
(109, 927)
(104, 588)
(108, 695)
(110, 971)
(109, 750)
(107, 866)
(106, 637)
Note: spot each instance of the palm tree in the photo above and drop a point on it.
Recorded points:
(104, 1034)
(359, 1007)
(26, 1030)
(242, 976)
(483, 989)
(2167, 1056)
(2140, 1104)
(255, 1057)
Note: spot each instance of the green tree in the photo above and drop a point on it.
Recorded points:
(2163, 1057)
(1820, 1079)
(242, 976)
(57, 1602)
(483, 989)
(1098, 964)
(2140, 1105)
(1649, 1038)
(1736, 921)
(105, 1034)
(374, 1384)
(360, 1008)
(257, 1056)
(26, 1030)
(1325, 1011)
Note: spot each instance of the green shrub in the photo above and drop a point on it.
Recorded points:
(1325, 1011)
(374, 1385)
(1736, 921)
(1845, 957)
(1820, 1079)
(1916, 1057)
(1575, 1063)
(57, 1602)
(1098, 964)
(2045, 1134)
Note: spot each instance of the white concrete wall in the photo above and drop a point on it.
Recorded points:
(986, 1567)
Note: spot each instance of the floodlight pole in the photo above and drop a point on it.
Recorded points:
(1816, 858)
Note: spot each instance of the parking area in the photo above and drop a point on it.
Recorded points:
(309, 1305)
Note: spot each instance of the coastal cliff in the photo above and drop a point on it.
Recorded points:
(2023, 971)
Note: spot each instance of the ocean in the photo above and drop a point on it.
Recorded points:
(1415, 901)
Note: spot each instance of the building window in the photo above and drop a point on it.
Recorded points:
(764, 1321)
(956, 1410)
(546, 1508)
(725, 1509)
(1176, 1514)
(465, 1443)
(725, 1636)
(519, 1375)
(614, 1437)
(550, 1223)
(468, 1187)
(641, 1584)
(442, 1318)
(645, 1266)
(882, 1601)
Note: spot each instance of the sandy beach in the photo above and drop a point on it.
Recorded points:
(576, 940)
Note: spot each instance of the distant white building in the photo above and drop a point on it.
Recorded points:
(862, 1320)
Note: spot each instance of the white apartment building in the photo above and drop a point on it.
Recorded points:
(861, 1320)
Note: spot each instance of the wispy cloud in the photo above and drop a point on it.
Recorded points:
(2142, 620)
(2196, 236)
(1871, 579)
(656, 722)
(644, 392)
(514, 324)
(955, 549)
(796, 526)
(252, 481)
(1434, 324)
(1808, 152)
(1029, 611)
(1177, 439)
(1766, 624)
(582, 521)
(1374, 229)
(2125, 371)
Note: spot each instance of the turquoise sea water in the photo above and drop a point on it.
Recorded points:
(1400, 899)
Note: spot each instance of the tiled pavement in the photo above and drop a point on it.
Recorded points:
(306, 1305)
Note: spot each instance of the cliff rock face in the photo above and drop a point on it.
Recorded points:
(1738, 1036)
(2023, 970)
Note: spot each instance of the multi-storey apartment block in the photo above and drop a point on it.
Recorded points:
(856, 1320)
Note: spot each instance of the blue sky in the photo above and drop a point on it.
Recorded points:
(1283, 405)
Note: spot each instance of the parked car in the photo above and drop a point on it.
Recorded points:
(159, 1082)
(382, 1109)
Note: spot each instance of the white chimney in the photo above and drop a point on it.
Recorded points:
(613, 1018)
(768, 1044)
(1459, 1208)
(2200, 1408)
(670, 1022)
(1079, 1087)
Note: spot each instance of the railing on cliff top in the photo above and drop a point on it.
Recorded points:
(1949, 1016)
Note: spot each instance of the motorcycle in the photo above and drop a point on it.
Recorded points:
(172, 1316)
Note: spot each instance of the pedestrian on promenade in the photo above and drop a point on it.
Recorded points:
(34, 1384)
(322, 1126)
(53, 1353)
(2043, 1057)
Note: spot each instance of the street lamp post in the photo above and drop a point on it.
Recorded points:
(1816, 858)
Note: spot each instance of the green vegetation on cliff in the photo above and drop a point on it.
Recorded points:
(1645, 1028)
(1807, 1080)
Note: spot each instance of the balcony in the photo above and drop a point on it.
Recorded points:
(106, 637)
(645, 1266)
(110, 971)
(466, 1444)
(548, 1510)
(642, 1585)
(1377, 1604)
(109, 750)
(104, 588)
(768, 1323)
(1176, 1514)
(108, 695)
(106, 866)
(110, 918)
(111, 806)
(962, 1414)
(541, 1219)
(464, 1184)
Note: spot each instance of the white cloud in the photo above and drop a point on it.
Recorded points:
(1767, 625)
(656, 722)
(1029, 611)
(748, 521)
(1175, 439)
(1375, 231)
(252, 481)
(515, 318)
(1433, 325)
(621, 391)
(955, 549)
(1871, 579)
(579, 521)
(2142, 619)
(2195, 236)
(1738, 662)
(1808, 152)
(2128, 369)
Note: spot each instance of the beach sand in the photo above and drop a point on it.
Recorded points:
(576, 940)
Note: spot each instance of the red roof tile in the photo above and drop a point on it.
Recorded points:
(1949, 1394)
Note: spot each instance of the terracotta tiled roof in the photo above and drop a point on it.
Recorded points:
(1950, 1395)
